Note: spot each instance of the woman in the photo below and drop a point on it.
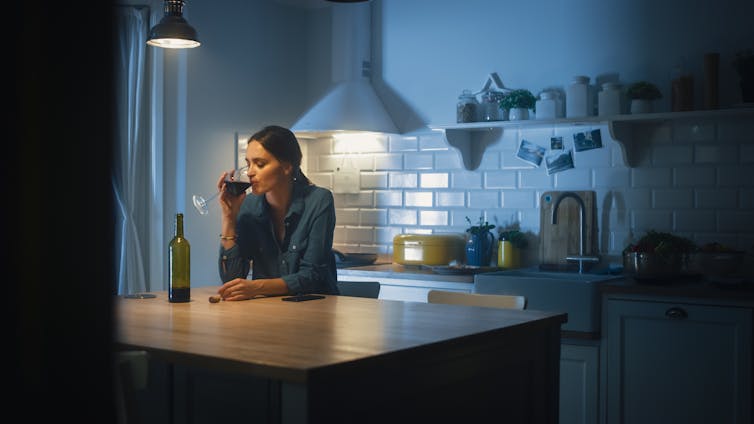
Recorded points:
(285, 228)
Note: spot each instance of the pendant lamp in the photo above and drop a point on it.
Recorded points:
(173, 32)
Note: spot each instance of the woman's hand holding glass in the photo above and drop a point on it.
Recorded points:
(231, 186)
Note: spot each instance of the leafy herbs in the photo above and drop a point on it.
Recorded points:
(518, 98)
(643, 90)
(661, 243)
(480, 228)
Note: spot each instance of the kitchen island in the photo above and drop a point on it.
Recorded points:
(346, 359)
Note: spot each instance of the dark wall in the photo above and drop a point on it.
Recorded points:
(57, 224)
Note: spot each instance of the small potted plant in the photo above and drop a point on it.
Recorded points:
(512, 241)
(743, 62)
(642, 94)
(479, 245)
(517, 103)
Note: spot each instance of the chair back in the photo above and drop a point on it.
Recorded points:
(475, 299)
(369, 289)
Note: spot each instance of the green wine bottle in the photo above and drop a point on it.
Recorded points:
(179, 253)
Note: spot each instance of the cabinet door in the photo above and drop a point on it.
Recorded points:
(579, 383)
(677, 363)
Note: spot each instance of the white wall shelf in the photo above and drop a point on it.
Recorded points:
(472, 139)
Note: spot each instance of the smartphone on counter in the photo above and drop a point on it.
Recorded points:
(303, 297)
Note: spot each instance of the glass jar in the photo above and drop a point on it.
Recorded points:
(490, 106)
(466, 109)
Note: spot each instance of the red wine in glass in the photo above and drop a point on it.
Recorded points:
(236, 188)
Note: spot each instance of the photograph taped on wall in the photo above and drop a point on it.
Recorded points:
(556, 143)
(587, 140)
(557, 162)
(530, 152)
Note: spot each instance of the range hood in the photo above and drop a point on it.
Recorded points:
(351, 104)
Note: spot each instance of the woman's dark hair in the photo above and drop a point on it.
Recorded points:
(282, 143)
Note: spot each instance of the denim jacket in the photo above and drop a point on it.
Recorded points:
(304, 260)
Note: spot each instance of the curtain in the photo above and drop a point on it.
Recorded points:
(131, 173)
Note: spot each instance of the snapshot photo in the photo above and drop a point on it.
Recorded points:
(557, 162)
(556, 143)
(531, 153)
(587, 140)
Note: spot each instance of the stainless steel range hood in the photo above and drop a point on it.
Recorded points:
(351, 104)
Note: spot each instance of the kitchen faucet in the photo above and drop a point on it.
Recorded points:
(581, 258)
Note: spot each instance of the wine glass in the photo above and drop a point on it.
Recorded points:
(236, 183)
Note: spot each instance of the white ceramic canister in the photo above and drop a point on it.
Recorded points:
(609, 99)
(578, 99)
(546, 106)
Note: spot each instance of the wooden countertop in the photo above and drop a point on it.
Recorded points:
(287, 340)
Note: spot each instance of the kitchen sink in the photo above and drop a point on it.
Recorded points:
(576, 294)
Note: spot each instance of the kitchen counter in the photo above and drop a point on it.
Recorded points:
(697, 288)
(404, 272)
(407, 283)
(328, 360)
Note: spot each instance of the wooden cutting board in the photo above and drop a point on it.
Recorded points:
(562, 239)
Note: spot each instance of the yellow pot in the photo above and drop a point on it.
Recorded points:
(508, 256)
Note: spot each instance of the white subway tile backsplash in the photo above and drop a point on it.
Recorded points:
(519, 199)
(433, 141)
(403, 179)
(672, 198)
(402, 216)
(451, 199)
(720, 198)
(735, 131)
(691, 220)
(672, 155)
(466, 180)
(747, 153)
(364, 199)
(374, 180)
(735, 176)
(346, 216)
(691, 131)
(483, 198)
(360, 234)
(696, 176)
(373, 217)
(419, 161)
(320, 179)
(450, 160)
(746, 198)
(418, 199)
(692, 178)
(433, 180)
(651, 177)
(658, 220)
(403, 144)
(499, 179)
(433, 218)
(573, 179)
(388, 198)
(716, 153)
(611, 177)
(388, 161)
(359, 143)
(535, 179)
(735, 221)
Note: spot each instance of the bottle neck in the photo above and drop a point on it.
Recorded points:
(179, 225)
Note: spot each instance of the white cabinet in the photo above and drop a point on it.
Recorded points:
(579, 381)
(676, 362)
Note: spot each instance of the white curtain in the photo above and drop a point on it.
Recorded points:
(131, 173)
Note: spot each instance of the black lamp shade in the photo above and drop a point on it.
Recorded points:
(173, 32)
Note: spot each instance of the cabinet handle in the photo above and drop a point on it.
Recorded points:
(676, 313)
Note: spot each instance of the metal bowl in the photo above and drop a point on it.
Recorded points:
(654, 265)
